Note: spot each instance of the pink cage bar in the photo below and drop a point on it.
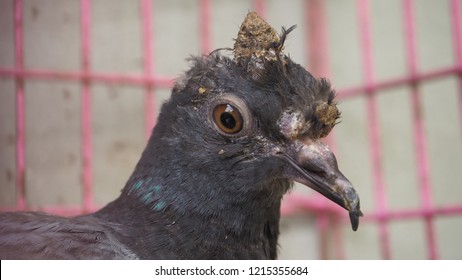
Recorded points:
(328, 216)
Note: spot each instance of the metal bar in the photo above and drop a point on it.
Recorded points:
(322, 228)
(316, 39)
(105, 78)
(87, 151)
(260, 7)
(296, 203)
(392, 83)
(418, 127)
(204, 23)
(457, 29)
(318, 61)
(448, 210)
(373, 125)
(146, 26)
(457, 39)
(339, 238)
(20, 109)
(53, 209)
(167, 82)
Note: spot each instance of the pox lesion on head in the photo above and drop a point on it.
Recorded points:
(324, 111)
(255, 39)
(293, 124)
(328, 115)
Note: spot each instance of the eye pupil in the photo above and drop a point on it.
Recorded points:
(228, 120)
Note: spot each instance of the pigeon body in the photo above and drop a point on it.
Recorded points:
(228, 145)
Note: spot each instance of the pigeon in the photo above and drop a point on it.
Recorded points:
(241, 126)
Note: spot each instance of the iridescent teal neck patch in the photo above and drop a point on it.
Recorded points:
(148, 193)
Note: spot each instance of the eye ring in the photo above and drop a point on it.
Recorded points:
(230, 116)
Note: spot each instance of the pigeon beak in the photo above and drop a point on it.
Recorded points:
(314, 165)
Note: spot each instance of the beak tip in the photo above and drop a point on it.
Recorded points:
(354, 218)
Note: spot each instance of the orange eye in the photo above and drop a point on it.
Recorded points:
(228, 118)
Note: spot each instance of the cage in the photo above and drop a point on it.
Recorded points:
(81, 83)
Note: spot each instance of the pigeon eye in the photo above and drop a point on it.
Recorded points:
(228, 118)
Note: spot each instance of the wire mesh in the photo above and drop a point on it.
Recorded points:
(327, 215)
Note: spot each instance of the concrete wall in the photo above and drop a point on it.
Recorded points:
(52, 40)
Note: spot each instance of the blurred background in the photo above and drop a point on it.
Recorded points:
(82, 81)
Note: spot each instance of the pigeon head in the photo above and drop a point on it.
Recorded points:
(241, 129)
